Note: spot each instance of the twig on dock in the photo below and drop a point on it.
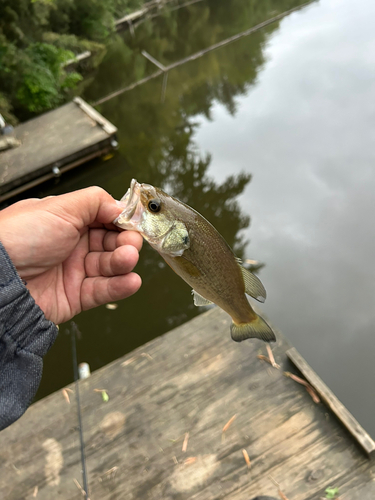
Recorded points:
(36, 489)
(229, 423)
(147, 355)
(16, 469)
(142, 354)
(65, 393)
(247, 458)
(175, 460)
(272, 359)
(280, 493)
(185, 443)
(309, 387)
(190, 460)
(80, 488)
(111, 472)
(262, 357)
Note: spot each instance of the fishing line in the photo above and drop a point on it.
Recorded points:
(75, 331)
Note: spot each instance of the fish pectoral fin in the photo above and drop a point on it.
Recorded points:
(256, 329)
(199, 300)
(253, 285)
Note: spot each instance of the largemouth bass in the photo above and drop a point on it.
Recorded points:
(198, 254)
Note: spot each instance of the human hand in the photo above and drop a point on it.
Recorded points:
(68, 251)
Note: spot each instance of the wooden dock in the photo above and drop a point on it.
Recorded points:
(53, 143)
(184, 413)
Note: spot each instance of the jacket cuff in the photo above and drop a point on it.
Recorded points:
(25, 337)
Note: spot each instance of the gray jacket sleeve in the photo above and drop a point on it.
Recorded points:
(25, 337)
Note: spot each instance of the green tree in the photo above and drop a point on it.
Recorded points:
(38, 37)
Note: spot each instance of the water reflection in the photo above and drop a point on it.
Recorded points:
(157, 145)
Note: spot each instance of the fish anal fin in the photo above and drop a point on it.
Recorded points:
(199, 300)
(256, 329)
(253, 285)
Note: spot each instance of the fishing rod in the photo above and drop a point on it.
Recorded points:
(74, 331)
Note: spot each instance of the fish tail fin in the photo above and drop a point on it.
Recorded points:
(256, 329)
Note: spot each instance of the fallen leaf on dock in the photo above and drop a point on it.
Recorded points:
(104, 393)
(185, 443)
(309, 388)
(331, 492)
(247, 458)
(190, 460)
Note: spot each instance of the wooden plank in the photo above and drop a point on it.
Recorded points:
(102, 150)
(77, 58)
(131, 17)
(334, 404)
(60, 138)
(153, 60)
(191, 380)
(97, 117)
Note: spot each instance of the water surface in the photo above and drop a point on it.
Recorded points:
(272, 139)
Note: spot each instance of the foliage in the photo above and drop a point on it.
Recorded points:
(37, 38)
(331, 492)
(6, 110)
(43, 77)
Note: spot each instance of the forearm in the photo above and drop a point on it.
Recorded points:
(25, 337)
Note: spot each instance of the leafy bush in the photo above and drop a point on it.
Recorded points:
(43, 77)
(37, 37)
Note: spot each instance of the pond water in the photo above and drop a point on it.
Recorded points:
(272, 139)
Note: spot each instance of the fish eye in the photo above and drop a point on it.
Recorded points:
(154, 205)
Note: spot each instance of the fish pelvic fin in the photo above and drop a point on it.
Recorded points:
(256, 329)
(199, 300)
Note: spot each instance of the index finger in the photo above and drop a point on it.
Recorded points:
(90, 206)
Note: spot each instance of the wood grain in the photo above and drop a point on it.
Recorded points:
(333, 403)
(191, 380)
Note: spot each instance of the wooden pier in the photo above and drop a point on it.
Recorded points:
(53, 143)
(190, 415)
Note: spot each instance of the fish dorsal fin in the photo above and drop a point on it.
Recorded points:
(199, 300)
(253, 285)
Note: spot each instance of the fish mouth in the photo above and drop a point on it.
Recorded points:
(129, 202)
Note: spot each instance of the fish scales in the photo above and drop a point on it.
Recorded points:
(225, 288)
